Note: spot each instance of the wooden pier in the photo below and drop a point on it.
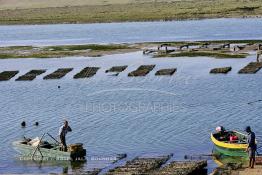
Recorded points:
(183, 168)
(116, 69)
(87, 72)
(158, 166)
(251, 68)
(170, 72)
(58, 74)
(221, 70)
(31, 75)
(139, 166)
(141, 71)
(7, 75)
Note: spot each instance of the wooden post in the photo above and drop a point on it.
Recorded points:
(259, 47)
(258, 56)
(53, 138)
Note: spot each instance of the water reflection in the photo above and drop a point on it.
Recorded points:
(64, 166)
(221, 159)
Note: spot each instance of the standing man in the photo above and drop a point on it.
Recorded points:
(252, 147)
(62, 134)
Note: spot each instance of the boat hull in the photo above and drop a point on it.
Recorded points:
(26, 151)
(230, 152)
(230, 149)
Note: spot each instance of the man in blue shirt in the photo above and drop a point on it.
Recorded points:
(252, 147)
(62, 134)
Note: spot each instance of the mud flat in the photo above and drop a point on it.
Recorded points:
(60, 51)
(86, 72)
(58, 74)
(141, 71)
(221, 70)
(183, 168)
(216, 49)
(256, 171)
(7, 75)
(166, 72)
(31, 75)
(251, 68)
(140, 166)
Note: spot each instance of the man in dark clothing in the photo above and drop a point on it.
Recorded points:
(62, 134)
(252, 147)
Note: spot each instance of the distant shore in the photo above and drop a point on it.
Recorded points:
(215, 49)
(153, 11)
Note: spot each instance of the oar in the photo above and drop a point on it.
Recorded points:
(37, 147)
(52, 138)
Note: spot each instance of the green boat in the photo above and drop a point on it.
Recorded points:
(226, 147)
(45, 150)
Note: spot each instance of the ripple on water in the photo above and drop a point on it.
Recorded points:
(130, 115)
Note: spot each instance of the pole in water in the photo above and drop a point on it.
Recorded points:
(58, 87)
(249, 103)
(36, 123)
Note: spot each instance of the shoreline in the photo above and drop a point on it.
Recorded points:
(132, 12)
(213, 48)
(21, 23)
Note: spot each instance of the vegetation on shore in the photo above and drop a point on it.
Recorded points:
(132, 11)
(85, 47)
(213, 49)
(92, 50)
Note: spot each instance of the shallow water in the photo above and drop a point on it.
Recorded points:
(130, 32)
(136, 116)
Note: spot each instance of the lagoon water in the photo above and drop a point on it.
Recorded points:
(137, 116)
(130, 32)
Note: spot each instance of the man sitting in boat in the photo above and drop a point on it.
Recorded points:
(221, 132)
(252, 147)
(62, 134)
